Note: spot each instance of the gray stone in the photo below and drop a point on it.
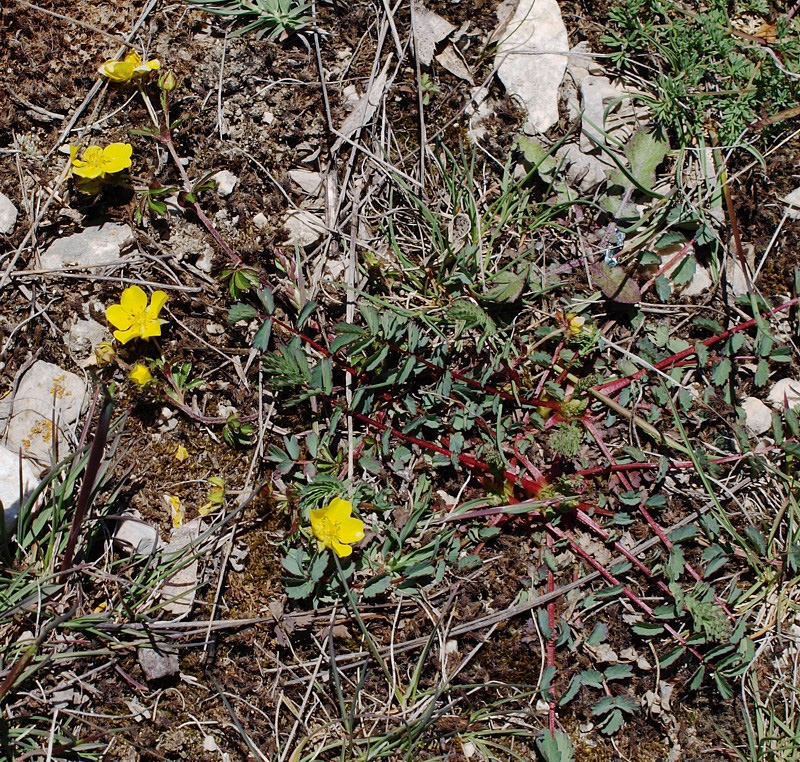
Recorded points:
(532, 58)
(132, 535)
(92, 247)
(310, 182)
(46, 394)
(303, 227)
(226, 182)
(179, 590)
(158, 664)
(11, 487)
(84, 336)
(758, 417)
(8, 215)
(784, 392)
(792, 201)
(261, 221)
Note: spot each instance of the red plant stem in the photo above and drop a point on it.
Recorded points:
(656, 527)
(612, 387)
(629, 594)
(551, 641)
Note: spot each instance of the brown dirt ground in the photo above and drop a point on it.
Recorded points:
(46, 63)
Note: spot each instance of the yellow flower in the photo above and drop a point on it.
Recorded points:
(335, 529)
(131, 67)
(176, 510)
(140, 375)
(575, 323)
(181, 453)
(133, 317)
(97, 162)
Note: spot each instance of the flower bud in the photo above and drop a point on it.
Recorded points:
(104, 353)
(167, 81)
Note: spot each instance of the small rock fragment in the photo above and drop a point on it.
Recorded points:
(261, 221)
(792, 201)
(84, 336)
(8, 215)
(310, 182)
(215, 329)
(303, 228)
(92, 247)
(758, 417)
(179, 589)
(205, 261)
(226, 182)
(784, 392)
(158, 664)
(700, 283)
(10, 484)
(134, 536)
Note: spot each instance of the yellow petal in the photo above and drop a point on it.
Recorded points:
(181, 454)
(350, 530)
(343, 551)
(140, 375)
(157, 302)
(133, 300)
(338, 510)
(117, 71)
(149, 328)
(123, 337)
(133, 58)
(116, 157)
(119, 317)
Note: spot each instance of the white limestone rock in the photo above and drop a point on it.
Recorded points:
(226, 182)
(11, 487)
(303, 228)
(179, 590)
(308, 181)
(158, 664)
(92, 247)
(757, 416)
(46, 393)
(133, 535)
(8, 215)
(83, 336)
(784, 392)
(531, 60)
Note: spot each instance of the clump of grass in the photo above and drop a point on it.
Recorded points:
(708, 71)
(273, 19)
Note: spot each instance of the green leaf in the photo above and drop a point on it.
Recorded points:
(506, 288)
(614, 722)
(663, 288)
(239, 312)
(293, 563)
(671, 657)
(377, 585)
(647, 629)
(599, 634)
(298, 589)
(762, 373)
(318, 566)
(618, 672)
(555, 748)
(572, 690)
(261, 339)
(536, 155)
(684, 273)
(722, 372)
(645, 151)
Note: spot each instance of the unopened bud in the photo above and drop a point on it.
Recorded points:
(104, 353)
(167, 81)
